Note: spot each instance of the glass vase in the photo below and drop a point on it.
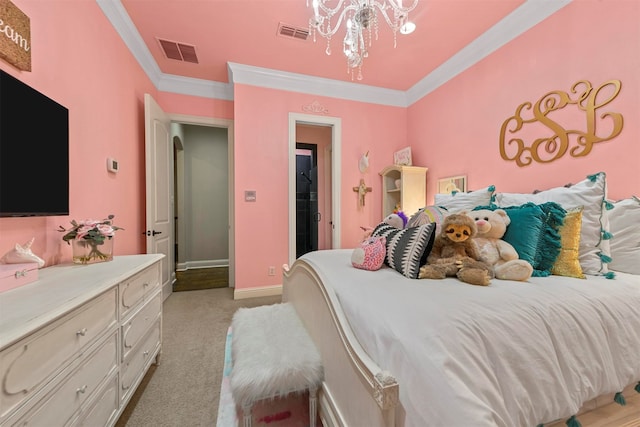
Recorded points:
(90, 252)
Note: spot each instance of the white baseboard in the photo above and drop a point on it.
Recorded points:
(209, 263)
(262, 291)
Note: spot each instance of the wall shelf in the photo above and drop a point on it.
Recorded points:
(410, 196)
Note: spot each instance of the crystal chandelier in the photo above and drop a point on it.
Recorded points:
(361, 25)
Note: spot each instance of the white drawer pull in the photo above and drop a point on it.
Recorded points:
(145, 354)
(20, 274)
(145, 284)
(82, 332)
(82, 389)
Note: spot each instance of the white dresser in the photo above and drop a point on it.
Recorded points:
(76, 343)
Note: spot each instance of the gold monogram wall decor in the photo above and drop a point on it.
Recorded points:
(552, 147)
(15, 36)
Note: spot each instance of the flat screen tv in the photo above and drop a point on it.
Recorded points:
(34, 152)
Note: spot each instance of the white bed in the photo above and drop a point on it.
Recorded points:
(451, 354)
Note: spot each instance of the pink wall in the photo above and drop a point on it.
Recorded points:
(81, 62)
(195, 106)
(261, 144)
(455, 130)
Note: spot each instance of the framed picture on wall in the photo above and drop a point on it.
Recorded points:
(402, 157)
(453, 183)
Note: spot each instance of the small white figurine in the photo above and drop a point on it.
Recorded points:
(21, 255)
(363, 163)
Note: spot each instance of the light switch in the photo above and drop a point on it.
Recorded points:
(112, 165)
(250, 195)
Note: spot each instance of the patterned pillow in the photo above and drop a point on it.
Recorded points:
(427, 215)
(568, 263)
(370, 254)
(407, 249)
(456, 202)
(624, 218)
(590, 193)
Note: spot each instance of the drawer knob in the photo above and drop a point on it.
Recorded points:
(82, 389)
(82, 332)
(145, 354)
(20, 273)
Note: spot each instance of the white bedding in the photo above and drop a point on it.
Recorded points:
(510, 354)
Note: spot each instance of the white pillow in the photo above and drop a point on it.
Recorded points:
(590, 194)
(459, 201)
(624, 220)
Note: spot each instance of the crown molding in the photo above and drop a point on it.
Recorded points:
(529, 14)
(195, 87)
(119, 18)
(282, 80)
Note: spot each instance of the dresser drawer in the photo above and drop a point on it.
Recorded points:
(138, 289)
(103, 411)
(29, 364)
(134, 367)
(136, 327)
(62, 403)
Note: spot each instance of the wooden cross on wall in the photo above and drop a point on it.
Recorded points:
(362, 191)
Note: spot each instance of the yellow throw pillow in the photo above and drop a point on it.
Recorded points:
(567, 263)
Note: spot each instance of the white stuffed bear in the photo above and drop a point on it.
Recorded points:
(492, 224)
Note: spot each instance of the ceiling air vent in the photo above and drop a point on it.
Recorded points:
(179, 51)
(285, 30)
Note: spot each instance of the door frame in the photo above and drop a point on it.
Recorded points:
(228, 125)
(336, 149)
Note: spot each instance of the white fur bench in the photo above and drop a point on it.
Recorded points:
(272, 356)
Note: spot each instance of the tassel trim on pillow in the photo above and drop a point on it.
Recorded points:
(573, 422)
(550, 238)
(594, 177)
(606, 235)
(604, 258)
(619, 399)
(637, 388)
(610, 275)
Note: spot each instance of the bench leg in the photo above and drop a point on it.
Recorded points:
(247, 417)
(313, 406)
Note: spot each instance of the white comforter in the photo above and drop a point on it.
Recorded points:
(510, 354)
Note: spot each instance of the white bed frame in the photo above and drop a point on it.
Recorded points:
(355, 391)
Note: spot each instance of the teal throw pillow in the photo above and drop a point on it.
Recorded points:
(533, 232)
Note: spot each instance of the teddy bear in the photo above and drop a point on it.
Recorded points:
(454, 254)
(501, 255)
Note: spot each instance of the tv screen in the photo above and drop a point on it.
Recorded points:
(34, 152)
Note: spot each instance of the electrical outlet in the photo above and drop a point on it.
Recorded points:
(272, 271)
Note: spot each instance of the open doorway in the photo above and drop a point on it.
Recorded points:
(314, 167)
(160, 200)
(308, 213)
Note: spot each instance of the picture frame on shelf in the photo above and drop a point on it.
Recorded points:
(452, 183)
(402, 157)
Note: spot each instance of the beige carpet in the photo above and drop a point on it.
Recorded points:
(184, 389)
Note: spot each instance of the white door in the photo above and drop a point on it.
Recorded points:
(159, 199)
